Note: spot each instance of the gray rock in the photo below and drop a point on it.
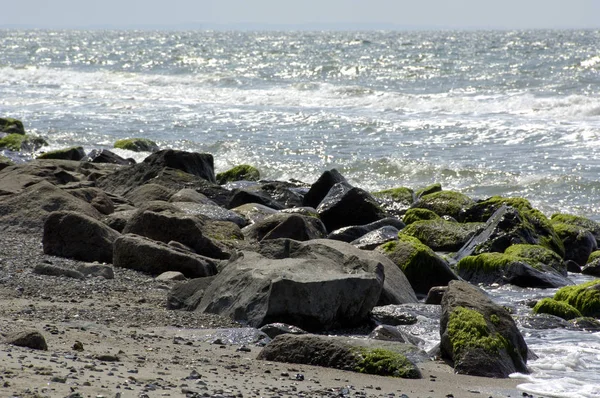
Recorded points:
(393, 315)
(354, 232)
(187, 195)
(106, 156)
(74, 235)
(54, 270)
(210, 212)
(254, 212)
(145, 255)
(73, 153)
(275, 329)
(321, 187)
(376, 238)
(170, 276)
(391, 333)
(28, 338)
(187, 295)
(149, 192)
(242, 196)
(96, 270)
(282, 225)
(96, 197)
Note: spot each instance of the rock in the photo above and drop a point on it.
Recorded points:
(96, 197)
(149, 192)
(74, 235)
(118, 220)
(20, 142)
(392, 333)
(28, 338)
(289, 195)
(210, 212)
(501, 268)
(187, 295)
(137, 145)
(572, 266)
(165, 227)
(281, 225)
(509, 221)
(364, 356)
(144, 255)
(11, 126)
(96, 270)
(241, 197)
(222, 231)
(188, 195)
(315, 287)
(106, 156)
(16, 178)
(586, 324)
(433, 188)
(321, 187)
(28, 210)
(72, 153)
(396, 200)
(478, 336)
(345, 205)
(435, 295)
(538, 255)
(578, 221)
(376, 238)
(591, 268)
(275, 329)
(444, 203)
(442, 235)
(579, 243)
(354, 232)
(170, 276)
(423, 268)
(237, 173)
(393, 315)
(53, 270)
(254, 212)
(584, 297)
(557, 308)
(413, 215)
(542, 322)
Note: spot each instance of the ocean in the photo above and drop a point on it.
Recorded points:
(511, 113)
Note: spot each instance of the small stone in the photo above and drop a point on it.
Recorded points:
(78, 346)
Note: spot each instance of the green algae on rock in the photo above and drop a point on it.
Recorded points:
(445, 203)
(72, 153)
(21, 142)
(396, 200)
(560, 309)
(537, 254)
(468, 328)
(442, 235)
(579, 243)
(137, 145)
(415, 214)
(437, 187)
(239, 173)
(382, 362)
(11, 126)
(579, 221)
(584, 297)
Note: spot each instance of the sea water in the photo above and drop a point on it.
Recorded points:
(512, 113)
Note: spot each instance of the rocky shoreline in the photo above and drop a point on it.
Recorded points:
(229, 285)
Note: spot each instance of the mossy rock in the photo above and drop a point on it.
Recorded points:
(468, 329)
(595, 255)
(442, 235)
(137, 145)
(11, 126)
(239, 173)
(413, 215)
(21, 142)
(423, 268)
(557, 308)
(437, 187)
(536, 254)
(584, 297)
(382, 362)
(445, 203)
(579, 243)
(72, 153)
(396, 200)
(578, 221)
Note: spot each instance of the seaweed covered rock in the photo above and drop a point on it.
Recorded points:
(413, 215)
(536, 254)
(579, 243)
(9, 125)
(72, 153)
(579, 221)
(423, 268)
(433, 188)
(20, 142)
(444, 203)
(442, 235)
(479, 337)
(321, 187)
(512, 221)
(396, 200)
(557, 308)
(501, 268)
(383, 358)
(282, 225)
(345, 205)
(239, 173)
(137, 145)
(584, 297)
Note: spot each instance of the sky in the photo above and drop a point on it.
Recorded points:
(302, 14)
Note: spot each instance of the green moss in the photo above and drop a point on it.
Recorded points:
(137, 145)
(494, 319)
(536, 254)
(239, 173)
(442, 235)
(585, 223)
(468, 328)
(401, 194)
(585, 297)
(593, 256)
(12, 126)
(487, 262)
(383, 362)
(18, 142)
(413, 215)
(445, 203)
(62, 153)
(557, 308)
(437, 187)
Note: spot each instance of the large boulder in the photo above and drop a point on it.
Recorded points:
(579, 242)
(148, 193)
(423, 268)
(243, 196)
(444, 203)
(74, 235)
(9, 125)
(187, 295)
(210, 212)
(479, 337)
(27, 211)
(238, 173)
(538, 255)
(584, 297)
(376, 238)
(311, 285)
(137, 145)
(396, 200)
(579, 221)
(321, 187)
(442, 235)
(106, 156)
(145, 255)
(96, 197)
(282, 225)
(345, 205)
(384, 358)
(166, 227)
